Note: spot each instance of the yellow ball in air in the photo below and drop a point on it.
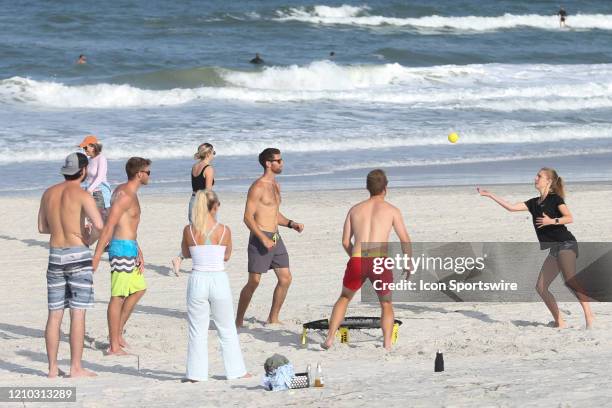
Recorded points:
(453, 137)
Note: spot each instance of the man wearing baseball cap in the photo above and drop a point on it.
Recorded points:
(63, 208)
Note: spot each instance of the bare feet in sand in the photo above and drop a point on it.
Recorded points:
(247, 375)
(55, 372)
(589, 323)
(558, 325)
(274, 323)
(81, 372)
(241, 325)
(123, 343)
(176, 265)
(119, 352)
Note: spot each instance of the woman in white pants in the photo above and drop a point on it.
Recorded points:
(209, 244)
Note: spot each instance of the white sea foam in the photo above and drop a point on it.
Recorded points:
(358, 16)
(321, 76)
(495, 87)
(344, 11)
(181, 146)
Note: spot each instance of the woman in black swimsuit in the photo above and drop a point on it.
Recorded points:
(202, 178)
(550, 215)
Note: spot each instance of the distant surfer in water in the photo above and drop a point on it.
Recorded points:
(562, 16)
(82, 59)
(257, 60)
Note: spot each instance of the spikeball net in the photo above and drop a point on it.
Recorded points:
(355, 329)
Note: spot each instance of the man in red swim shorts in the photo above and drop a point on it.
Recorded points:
(370, 221)
(360, 268)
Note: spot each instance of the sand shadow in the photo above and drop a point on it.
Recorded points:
(154, 310)
(483, 317)
(420, 309)
(275, 335)
(525, 323)
(23, 331)
(115, 369)
(474, 314)
(160, 269)
(13, 332)
(247, 388)
(16, 368)
(92, 343)
(28, 242)
(223, 378)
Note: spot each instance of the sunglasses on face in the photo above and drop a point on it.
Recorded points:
(148, 172)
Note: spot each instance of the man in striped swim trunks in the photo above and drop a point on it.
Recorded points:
(127, 264)
(63, 208)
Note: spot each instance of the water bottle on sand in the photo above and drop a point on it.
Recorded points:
(319, 376)
(439, 364)
(310, 375)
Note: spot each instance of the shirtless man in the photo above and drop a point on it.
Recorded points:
(127, 263)
(369, 222)
(266, 248)
(62, 213)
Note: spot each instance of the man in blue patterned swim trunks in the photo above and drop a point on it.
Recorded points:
(63, 208)
(127, 264)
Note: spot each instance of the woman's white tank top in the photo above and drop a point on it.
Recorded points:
(208, 257)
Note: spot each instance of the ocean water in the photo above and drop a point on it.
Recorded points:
(163, 77)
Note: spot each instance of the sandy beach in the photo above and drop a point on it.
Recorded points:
(495, 354)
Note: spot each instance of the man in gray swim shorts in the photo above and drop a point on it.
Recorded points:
(266, 248)
(70, 278)
(262, 259)
(63, 208)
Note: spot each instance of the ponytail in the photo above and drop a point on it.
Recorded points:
(205, 200)
(556, 182)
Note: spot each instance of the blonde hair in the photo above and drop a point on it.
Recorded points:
(204, 150)
(557, 186)
(205, 200)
